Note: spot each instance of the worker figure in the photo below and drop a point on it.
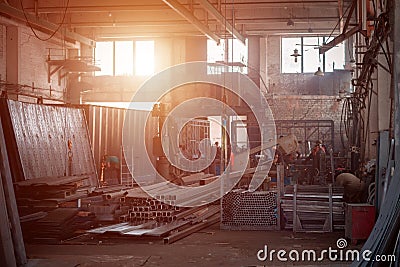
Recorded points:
(217, 159)
(110, 170)
(354, 188)
(318, 156)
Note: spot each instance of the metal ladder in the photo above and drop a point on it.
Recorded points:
(125, 167)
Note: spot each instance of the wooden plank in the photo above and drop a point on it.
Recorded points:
(11, 203)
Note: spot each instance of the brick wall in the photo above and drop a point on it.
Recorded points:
(32, 65)
(300, 107)
(2, 52)
(303, 96)
(300, 83)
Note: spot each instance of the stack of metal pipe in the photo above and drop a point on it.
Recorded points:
(151, 209)
(243, 210)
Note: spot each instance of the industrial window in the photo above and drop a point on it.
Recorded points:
(144, 59)
(125, 58)
(104, 57)
(228, 51)
(310, 59)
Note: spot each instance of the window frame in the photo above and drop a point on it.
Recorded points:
(134, 60)
(302, 57)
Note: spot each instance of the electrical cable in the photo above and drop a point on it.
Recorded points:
(380, 43)
(31, 27)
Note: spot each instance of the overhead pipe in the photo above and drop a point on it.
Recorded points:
(181, 10)
(222, 20)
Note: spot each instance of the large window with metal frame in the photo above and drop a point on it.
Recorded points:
(125, 58)
(308, 59)
(231, 52)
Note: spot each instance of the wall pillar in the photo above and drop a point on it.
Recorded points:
(254, 59)
(263, 63)
(12, 57)
(196, 49)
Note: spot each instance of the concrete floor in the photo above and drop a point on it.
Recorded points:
(209, 247)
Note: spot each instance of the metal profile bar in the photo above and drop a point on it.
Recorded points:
(11, 203)
(330, 209)
(280, 193)
(43, 24)
(340, 9)
(338, 39)
(181, 10)
(352, 7)
(50, 71)
(197, 227)
(222, 20)
(345, 34)
(7, 256)
(295, 208)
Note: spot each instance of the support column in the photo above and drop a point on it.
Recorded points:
(196, 49)
(396, 78)
(384, 98)
(87, 51)
(12, 57)
(254, 59)
(263, 63)
(162, 54)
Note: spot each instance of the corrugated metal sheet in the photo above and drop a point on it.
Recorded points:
(105, 130)
(42, 134)
(140, 128)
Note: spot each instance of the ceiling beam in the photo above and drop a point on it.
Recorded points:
(181, 10)
(43, 24)
(341, 15)
(344, 34)
(222, 20)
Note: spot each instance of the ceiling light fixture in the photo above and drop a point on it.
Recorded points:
(295, 54)
(290, 21)
(319, 72)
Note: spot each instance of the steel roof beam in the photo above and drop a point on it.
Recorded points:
(181, 10)
(222, 20)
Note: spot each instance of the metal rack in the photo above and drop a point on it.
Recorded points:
(313, 208)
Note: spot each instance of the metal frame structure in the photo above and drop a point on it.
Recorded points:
(308, 130)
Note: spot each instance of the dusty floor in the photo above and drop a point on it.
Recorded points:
(209, 247)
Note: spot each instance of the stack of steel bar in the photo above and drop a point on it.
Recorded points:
(40, 191)
(243, 210)
(108, 205)
(56, 225)
(49, 191)
(186, 222)
(315, 208)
